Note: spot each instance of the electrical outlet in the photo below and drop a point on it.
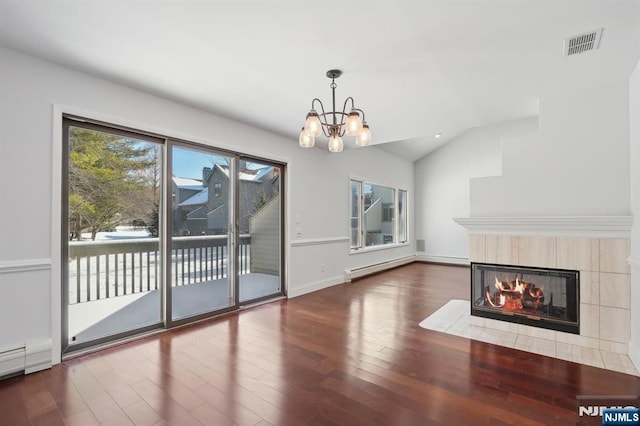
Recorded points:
(322, 267)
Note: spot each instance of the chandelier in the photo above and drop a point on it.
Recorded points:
(335, 124)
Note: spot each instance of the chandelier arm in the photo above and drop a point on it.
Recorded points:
(361, 112)
(313, 104)
(344, 114)
(344, 108)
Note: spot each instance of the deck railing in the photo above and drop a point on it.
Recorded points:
(104, 269)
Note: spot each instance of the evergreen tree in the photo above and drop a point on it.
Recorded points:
(106, 172)
(154, 222)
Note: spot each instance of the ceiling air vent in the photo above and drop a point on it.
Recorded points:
(583, 42)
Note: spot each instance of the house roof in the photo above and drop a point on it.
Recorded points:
(249, 175)
(187, 183)
(198, 198)
(199, 213)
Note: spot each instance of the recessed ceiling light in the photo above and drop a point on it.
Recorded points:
(437, 135)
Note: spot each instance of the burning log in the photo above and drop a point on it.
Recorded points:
(515, 295)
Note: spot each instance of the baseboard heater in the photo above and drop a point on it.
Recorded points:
(28, 358)
(350, 274)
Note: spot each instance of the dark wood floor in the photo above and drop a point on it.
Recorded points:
(351, 354)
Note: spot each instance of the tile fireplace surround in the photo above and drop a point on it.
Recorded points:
(598, 247)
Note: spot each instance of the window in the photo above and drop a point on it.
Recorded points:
(402, 216)
(356, 196)
(373, 220)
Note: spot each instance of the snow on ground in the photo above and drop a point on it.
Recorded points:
(121, 233)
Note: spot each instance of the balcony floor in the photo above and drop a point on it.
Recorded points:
(101, 318)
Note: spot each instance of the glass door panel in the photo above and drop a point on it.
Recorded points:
(260, 230)
(202, 204)
(112, 271)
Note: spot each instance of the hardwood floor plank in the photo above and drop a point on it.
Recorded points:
(83, 418)
(226, 404)
(106, 410)
(209, 415)
(141, 413)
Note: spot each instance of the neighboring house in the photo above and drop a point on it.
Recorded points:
(187, 196)
(202, 207)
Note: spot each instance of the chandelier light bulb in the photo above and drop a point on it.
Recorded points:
(354, 123)
(364, 137)
(312, 125)
(305, 140)
(335, 143)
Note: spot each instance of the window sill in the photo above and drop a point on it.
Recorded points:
(377, 248)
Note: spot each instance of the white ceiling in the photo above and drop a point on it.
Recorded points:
(415, 67)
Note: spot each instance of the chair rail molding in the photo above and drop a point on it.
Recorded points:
(319, 241)
(26, 265)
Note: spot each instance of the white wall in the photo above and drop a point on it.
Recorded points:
(442, 183)
(634, 117)
(33, 93)
(578, 166)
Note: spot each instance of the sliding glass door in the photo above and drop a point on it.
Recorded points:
(112, 272)
(162, 232)
(202, 270)
(226, 231)
(260, 228)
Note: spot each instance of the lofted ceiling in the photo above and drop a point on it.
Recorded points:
(416, 68)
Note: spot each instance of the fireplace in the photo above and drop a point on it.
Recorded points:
(540, 297)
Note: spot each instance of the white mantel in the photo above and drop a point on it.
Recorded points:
(557, 226)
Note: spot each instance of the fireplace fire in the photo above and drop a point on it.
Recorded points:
(547, 298)
(516, 296)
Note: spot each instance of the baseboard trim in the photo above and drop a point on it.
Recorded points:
(362, 271)
(26, 358)
(37, 356)
(314, 286)
(449, 260)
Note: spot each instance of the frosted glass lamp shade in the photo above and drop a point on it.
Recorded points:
(354, 123)
(305, 140)
(335, 143)
(312, 125)
(364, 137)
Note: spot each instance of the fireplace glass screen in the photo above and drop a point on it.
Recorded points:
(547, 298)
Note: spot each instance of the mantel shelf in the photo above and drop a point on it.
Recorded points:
(574, 226)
